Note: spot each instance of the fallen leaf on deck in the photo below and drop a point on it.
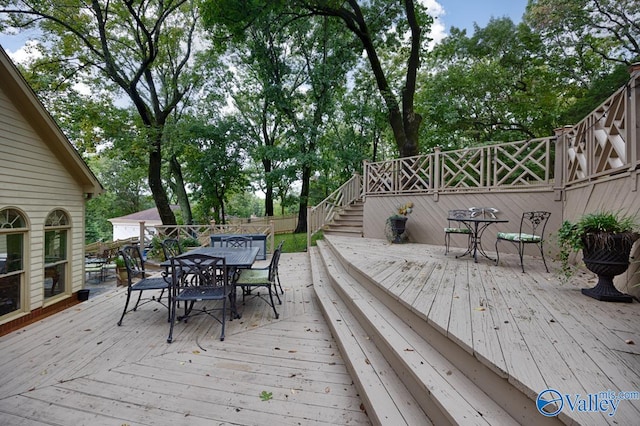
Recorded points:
(266, 396)
(327, 389)
(630, 342)
(196, 352)
(481, 308)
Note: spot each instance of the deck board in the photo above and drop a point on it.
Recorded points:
(79, 367)
(534, 330)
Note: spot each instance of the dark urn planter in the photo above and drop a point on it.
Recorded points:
(398, 226)
(607, 258)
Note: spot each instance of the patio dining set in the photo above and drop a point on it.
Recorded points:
(473, 221)
(202, 281)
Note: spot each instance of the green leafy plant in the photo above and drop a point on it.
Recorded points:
(266, 396)
(596, 227)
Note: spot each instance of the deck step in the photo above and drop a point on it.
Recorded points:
(448, 383)
(349, 222)
(386, 399)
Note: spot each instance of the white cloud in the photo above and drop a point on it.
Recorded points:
(25, 53)
(436, 11)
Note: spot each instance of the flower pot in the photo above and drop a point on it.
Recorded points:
(398, 226)
(607, 258)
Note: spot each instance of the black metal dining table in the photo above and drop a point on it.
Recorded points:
(235, 258)
(477, 225)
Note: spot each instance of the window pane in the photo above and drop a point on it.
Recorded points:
(55, 246)
(10, 253)
(54, 279)
(9, 293)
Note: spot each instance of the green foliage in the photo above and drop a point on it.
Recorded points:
(571, 236)
(296, 242)
(266, 396)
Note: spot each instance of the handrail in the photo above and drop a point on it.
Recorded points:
(318, 216)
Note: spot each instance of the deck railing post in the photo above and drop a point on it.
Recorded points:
(436, 169)
(632, 111)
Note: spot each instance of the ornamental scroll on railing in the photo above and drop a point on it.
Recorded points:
(601, 144)
(508, 165)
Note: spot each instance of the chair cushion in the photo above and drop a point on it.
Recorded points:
(253, 277)
(516, 236)
(457, 230)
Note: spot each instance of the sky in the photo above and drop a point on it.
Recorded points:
(463, 13)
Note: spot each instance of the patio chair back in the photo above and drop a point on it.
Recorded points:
(199, 278)
(170, 248)
(456, 228)
(531, 232)
(236, 241)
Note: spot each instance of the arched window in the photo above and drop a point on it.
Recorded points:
(56, 233)
(13, 228)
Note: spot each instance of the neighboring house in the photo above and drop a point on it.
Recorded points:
(129, 226)
(44, 184)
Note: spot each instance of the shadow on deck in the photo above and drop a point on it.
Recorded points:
(432, 338)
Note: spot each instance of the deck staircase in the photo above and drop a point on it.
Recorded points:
(348, 222)
(408, 372)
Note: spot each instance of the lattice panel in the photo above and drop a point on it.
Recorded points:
(521, 164)
(380, 177)
(415, 173)
(462, 168)
(598, 143)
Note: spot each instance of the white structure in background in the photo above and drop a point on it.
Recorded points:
(129, 226)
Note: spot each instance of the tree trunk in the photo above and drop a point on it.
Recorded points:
(155, 182)
(181, 193)
(304, 200)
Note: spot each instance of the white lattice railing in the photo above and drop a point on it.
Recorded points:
(324, 212)
(603, 142)
(513, 164)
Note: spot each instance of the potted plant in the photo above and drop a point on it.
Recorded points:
(396, 224)
(606, 239)
(121, 270)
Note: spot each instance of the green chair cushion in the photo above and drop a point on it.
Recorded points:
(457, 230)
(253, 277)
(516, 236)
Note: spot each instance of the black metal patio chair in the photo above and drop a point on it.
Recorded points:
(235, 241)
(170, 248)
(531, 232)
(253, 278)
(139, 281)
(456, 228)
(198, 278)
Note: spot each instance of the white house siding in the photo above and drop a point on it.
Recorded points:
(34, 181)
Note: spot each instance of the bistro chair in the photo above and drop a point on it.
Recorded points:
(457, 228)
(253, 278)
(199, 278)
(138, 280)
(235, 241)
(170, 248)
(532, 225)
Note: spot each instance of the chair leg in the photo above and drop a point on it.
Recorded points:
(273, 304)
(126, 305)
(543, 259)
(497, 253)
(224, 310)
(521, 253)
(446, 243)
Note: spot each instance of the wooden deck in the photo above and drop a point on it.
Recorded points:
(78, 368)
(528, 329)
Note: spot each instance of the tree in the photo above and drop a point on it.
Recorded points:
(143, 48)
(588, 30)
(391, 34)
